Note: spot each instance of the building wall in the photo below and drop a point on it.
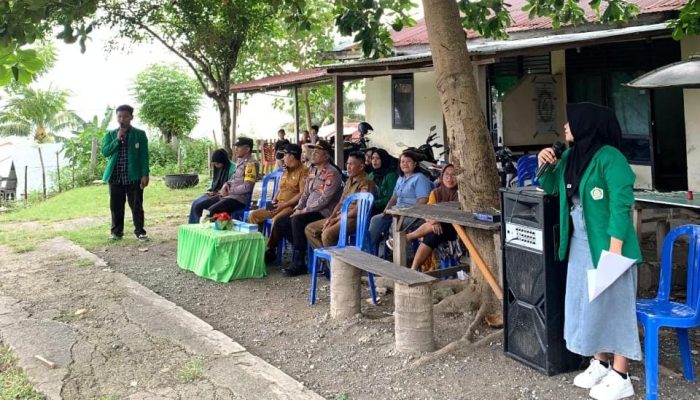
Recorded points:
(427, 112)
(691, 99)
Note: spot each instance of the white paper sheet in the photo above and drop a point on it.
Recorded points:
(610, 267)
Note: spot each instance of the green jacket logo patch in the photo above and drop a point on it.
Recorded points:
(597, 193)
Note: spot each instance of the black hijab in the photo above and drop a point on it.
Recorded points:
(220, 174)
(593, 127)
(387, 165)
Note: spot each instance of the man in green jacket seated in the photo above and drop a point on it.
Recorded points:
(127, 172)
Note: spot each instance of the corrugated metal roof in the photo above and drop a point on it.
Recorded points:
(418, 34)
(500, 46)
(288, 79)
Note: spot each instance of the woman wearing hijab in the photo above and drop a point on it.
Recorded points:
(223, 171)
(594, 183)
(434, 233)
(384, 178)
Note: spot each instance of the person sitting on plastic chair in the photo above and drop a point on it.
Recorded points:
(282, 205)
(235, 194)
(324, 232)
(223, 171)
(434, 233)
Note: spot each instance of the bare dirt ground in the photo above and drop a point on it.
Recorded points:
(356, 359)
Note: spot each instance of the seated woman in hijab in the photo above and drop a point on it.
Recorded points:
(435, 233)
(223, 171)
(384, 176)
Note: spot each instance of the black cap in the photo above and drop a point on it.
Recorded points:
(293, 149)
(323, 145)
(244, 141)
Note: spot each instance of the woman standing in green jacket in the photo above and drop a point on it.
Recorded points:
(594, 183)
(384, 176)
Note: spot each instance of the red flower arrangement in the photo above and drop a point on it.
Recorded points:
(222, 221)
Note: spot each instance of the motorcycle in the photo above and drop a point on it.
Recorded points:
(362, 144)
(427, 163)
(506, 163)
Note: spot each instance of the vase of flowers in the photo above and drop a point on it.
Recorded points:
(222, 221)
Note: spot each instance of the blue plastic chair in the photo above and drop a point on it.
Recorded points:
(275, 176)
(661, 311)
(527, 166)
(364, 213)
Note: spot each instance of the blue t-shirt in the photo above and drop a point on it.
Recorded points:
(409, 190)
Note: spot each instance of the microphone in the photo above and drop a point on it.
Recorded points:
(558, 148)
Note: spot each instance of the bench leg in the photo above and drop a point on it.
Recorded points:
(345, 290)
(413, 318)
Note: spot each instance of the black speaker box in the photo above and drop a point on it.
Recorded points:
(534, 282)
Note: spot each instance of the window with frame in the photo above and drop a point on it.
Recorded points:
(402, 106)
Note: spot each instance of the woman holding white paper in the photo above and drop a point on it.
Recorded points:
(594, 183)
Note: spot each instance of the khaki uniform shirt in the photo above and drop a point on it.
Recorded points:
(321, 190)
(292, 182)
(360, 183)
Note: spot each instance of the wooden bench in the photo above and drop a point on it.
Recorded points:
(413, 296)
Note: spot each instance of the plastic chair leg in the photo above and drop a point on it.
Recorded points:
(314, 272)
(686, 357)
(372, 288)
(651, 361)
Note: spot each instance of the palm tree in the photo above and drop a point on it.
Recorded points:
(41, 113)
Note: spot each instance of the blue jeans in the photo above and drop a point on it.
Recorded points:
(378, 225)
(196, 209)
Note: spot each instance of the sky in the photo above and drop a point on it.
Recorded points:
(98, 79)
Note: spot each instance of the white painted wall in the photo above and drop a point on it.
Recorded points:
(691, 100)
(427, 113)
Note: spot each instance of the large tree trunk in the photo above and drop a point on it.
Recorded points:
(224, 108)
(470, 147)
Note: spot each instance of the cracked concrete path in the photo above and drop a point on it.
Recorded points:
(111, 338)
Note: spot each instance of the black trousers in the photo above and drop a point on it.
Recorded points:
(292, 228)
(217, 204)
(448, 234)
(118, 195)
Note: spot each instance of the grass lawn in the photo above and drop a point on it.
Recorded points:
(161, 205)
(13, 382)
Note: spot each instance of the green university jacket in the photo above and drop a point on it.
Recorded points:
(384, 191)
(606, 196)
(137, 166)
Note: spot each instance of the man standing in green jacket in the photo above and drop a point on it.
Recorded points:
(127, 172)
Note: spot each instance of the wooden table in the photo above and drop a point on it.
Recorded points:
(451, 214)
(662, 207)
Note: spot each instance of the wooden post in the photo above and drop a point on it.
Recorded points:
(93, 158)
(296, 112)
(179, 159)
(345, 290)
(213, 134)
(26, 194)
(234, 118)
(338, 85)
(400, 243)
(58, 173)
(476, 259)
(413, 318)
(43, 172)
(209, 168)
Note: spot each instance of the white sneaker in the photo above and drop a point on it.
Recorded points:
(205, 217)
(612, 387)
(592, 375)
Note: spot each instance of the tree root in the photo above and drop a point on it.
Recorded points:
(459, 344)
(469, 334)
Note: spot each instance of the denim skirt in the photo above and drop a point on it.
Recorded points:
(608, 324)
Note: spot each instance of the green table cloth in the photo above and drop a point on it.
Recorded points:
(220, 255)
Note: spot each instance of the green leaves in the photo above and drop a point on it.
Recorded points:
(22, 64)
(688, 22)
(169, 100)
(42, 113)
